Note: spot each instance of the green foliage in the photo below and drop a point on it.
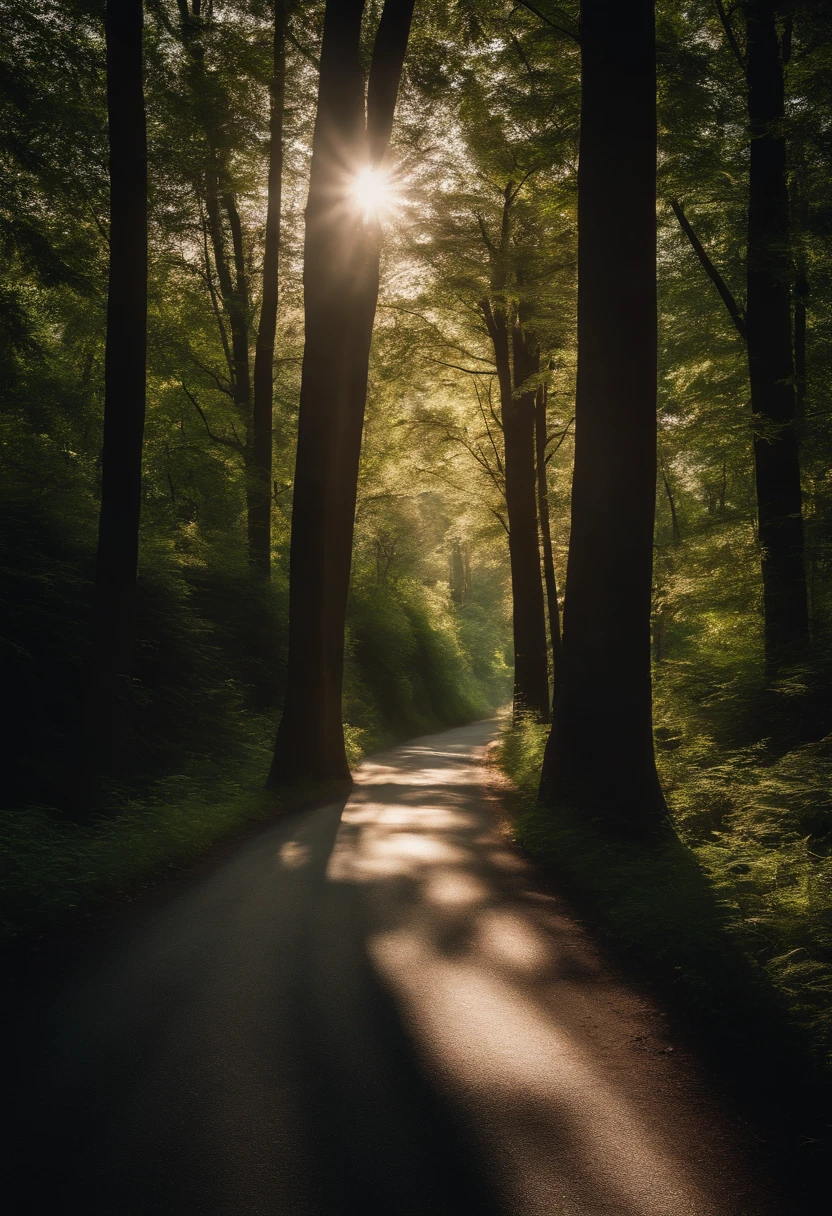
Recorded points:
(56, 868)
(411, 663)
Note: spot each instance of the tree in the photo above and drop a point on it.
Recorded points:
(541, 441)
(600, 749)
(341, 268)
(212, 97)
(770, 361)
(124, 395)
(516, 360)
(260, 493)
(765, 326)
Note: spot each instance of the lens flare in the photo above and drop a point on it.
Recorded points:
(373, 192)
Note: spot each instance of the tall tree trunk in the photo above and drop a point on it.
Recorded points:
(799, 206)
(234, 289)
(531, 667)
(531, 675)
(237, 303)
(341, 260)
(260, 444)
(600, 750)
(549, 576)
(777, 461)
(124, 389)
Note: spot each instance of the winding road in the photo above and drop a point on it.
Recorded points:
(373, 1008)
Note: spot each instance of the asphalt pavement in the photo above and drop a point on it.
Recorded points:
(372, 1008)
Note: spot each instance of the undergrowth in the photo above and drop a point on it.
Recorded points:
(736, 910)
(210, 670)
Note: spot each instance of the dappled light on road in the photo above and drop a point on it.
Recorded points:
(518, 1024)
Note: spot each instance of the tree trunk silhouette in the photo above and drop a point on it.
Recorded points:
(776, 454)
(515, 363)
(124, 390)
(549, 576)
(768, 319)
(260, 493)
(600, 750)
(341, 274)
(531, 666)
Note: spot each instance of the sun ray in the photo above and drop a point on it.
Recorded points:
(373, 192)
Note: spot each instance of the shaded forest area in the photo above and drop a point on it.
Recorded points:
(315, 269)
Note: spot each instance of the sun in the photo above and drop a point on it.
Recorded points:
(373, 192)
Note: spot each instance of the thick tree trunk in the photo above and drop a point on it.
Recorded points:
(549, 576)
(260, 444)
(341, 258)
(776, 456)
(600, 750)
(124, 391)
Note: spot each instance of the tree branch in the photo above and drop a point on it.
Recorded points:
(731, 36)
(510, 198)
(472, 371)
(489, 244)
(228, 443)
(491, 324)
(488, 432)
(713, 274)
(560, 436)
(222, 388)
(212, 291)
(567, 33)
(307, 54)
(497, 515)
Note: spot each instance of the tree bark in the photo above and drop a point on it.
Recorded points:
(600, 750)
(341, 269)
(260, 493)
(531, 667)
(237, 304)
(515, 362)
(124, 390)
(777, 461)
(674, 518)
(549, 576)
(799, 205)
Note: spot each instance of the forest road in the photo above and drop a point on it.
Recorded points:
(373, 1008)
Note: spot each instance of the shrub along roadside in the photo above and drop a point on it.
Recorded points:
(217, 753)
(737, 940)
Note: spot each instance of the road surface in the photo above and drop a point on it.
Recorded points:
(373, 1008)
